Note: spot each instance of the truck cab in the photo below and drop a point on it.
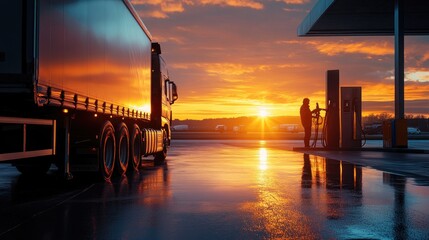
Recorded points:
(163, 95)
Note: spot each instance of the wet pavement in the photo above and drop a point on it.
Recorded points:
(223, 190)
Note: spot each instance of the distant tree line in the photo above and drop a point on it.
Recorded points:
(419, 121)
(379, 118)
(254, 123)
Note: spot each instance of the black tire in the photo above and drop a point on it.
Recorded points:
(107, 150)
(135, 148)
(123, 149)
(38, 166)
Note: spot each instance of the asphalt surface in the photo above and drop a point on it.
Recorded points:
(227, 189)
(411, 162)
(230, 135)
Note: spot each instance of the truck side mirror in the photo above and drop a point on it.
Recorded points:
(174, 92)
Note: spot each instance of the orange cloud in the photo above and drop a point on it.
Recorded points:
(336, 48)
(228, 89)
(234, 3)
(423, 58)
(331, 49)
(171, 7)
(383, 94)
(231, 69)
(416, 91)
(162, 8)
(153, 14)
(294, 1)
(377, 91)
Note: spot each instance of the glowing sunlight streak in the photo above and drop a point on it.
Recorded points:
(274, 210)
(263, 158)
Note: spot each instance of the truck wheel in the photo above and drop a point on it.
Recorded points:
(107, 150)
(123, 147)
(36, 167)
(135, 148)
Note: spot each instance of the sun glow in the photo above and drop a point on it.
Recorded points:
(263, 113)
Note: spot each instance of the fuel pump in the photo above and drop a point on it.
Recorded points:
(351, 117)
(341, 123)
(331, 129)
(330, 120)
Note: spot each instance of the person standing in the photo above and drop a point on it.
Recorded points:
(305, 114)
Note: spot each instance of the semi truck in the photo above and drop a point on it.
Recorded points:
(82, 86)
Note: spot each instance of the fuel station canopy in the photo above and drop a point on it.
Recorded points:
(364, 18)
(371, 18)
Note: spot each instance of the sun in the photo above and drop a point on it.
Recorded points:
(263, 113)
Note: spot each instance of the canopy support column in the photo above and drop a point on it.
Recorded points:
(399, 59)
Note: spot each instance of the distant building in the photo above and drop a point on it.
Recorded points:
(412, 130)
(288, 127)
(180, 128)
(239, 129)
(220, 128)
(420, 123)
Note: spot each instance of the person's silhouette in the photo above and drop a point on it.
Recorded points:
(305, 114)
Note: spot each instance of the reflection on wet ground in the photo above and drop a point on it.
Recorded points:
(220, 190)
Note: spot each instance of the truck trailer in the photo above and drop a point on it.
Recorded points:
(82, 86)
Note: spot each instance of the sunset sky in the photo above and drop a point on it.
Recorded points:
(234, 58)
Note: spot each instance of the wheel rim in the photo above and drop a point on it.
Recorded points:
(136, 151)
(123, 151)
(109, 149)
